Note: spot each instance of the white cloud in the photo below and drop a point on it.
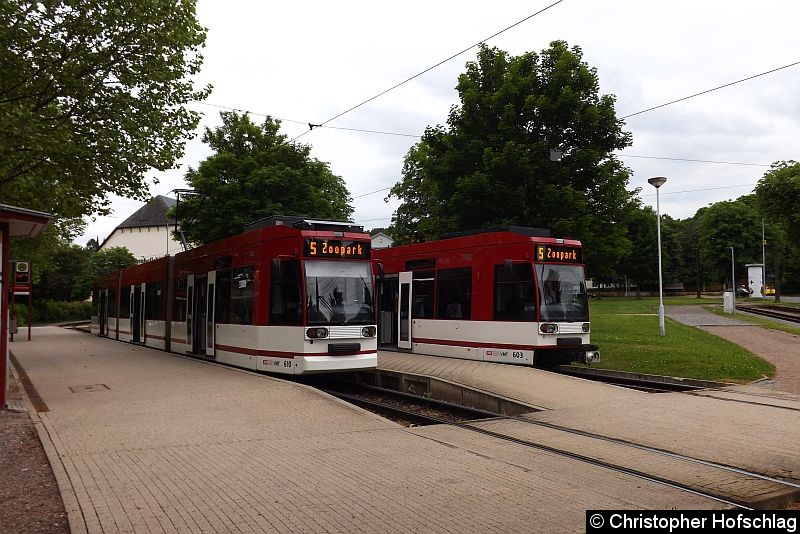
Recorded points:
(310, 60)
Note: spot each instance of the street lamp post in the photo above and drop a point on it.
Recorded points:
(657, 182)
(733, 281)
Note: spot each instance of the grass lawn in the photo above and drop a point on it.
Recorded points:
(766, 322)
(627, 331)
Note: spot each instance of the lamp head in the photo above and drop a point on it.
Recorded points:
(657, 181)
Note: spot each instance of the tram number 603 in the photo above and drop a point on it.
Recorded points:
(517, 354)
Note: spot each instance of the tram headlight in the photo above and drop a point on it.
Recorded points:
(369, 331)
(317, 333)
(548, 328)
(585, 328)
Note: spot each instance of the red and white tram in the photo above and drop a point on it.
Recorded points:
(289, 295)
(511, 295)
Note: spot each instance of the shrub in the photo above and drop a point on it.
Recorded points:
(51, 311)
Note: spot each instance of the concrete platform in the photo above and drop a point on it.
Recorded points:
(146, 441)
(740, 426)
(749, 432)
(535, 387)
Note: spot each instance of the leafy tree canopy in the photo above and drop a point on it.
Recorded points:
(255, 173)
(491, 164)
(641, 264)
(102, 261)
(58, 280)
(92, 95)
(778, 194)
(733, 223)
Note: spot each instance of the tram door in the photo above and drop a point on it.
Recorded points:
(137, 298)
(211, 350)
(198, 290)
(189, 310)
(388, 310)
(404, 315)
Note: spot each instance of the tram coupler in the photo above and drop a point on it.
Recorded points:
(589, 354)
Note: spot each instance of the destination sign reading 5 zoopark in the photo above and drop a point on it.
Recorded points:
(330, 248)
(558, 254)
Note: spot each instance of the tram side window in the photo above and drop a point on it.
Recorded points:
(222, 297)
(125, 303)
(453, 293)
(112, 302)
(95, 301)
(514, 292)
(422, 305)
(285, 297)
(154, 301)
(242, 295)
(179, 306)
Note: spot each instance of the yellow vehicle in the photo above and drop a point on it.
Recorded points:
(769, 290)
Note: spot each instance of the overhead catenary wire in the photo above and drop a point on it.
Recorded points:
(638, 156)
(695, 160)
(710, 90)
(697, 190)
(373, 192)
(442, 62)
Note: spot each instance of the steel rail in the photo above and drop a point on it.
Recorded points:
(547, 448)
(771, 313)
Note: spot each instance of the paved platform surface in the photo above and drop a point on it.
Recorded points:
(546, 390)
(145, 441)
(694, 315)
(739, 426)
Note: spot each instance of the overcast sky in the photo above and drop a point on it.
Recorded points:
(307, 61)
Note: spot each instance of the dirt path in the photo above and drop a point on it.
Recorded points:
(29, 496)
(779, 348)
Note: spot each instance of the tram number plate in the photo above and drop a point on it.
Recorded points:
(276, 365)
(508, 356)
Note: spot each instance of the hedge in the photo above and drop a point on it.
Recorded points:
(50, 311)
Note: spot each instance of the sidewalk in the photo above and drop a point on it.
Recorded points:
(145, 441)
(779, 348)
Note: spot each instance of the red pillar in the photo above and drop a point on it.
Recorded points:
(5, 285)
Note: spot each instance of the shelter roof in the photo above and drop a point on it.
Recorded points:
(23, 222)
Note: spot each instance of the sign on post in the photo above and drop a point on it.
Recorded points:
(23, 285)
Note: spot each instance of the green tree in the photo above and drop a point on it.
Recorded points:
(58, 281)
(687, 254)
(640, 265)
(92, 95)
(100, 262)
(41, 250)
(492, 164)
(255, 173)
(778, 194)
(733, 223)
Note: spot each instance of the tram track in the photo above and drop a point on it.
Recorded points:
(773, 312)
(638, 381)
(482, 417)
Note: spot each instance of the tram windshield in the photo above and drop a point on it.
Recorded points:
(339, 293)
(562, 293)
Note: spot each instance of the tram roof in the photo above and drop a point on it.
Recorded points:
(303, 223)
(496, 235)
(526, 231)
